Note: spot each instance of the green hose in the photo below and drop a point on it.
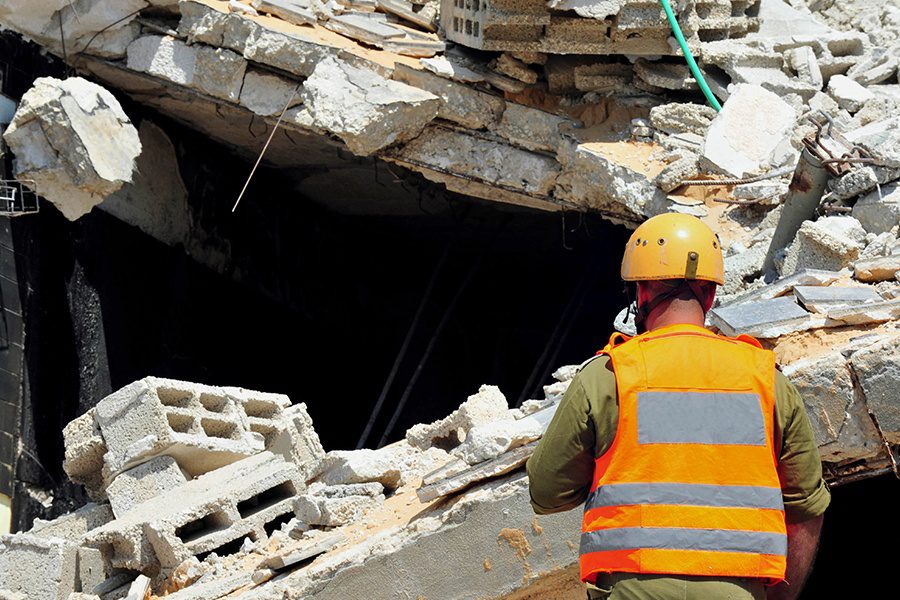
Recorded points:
(688, 57)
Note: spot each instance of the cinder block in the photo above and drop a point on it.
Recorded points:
(156, 476)
(85, 448)
(212, 513)
(200, 426)
(37, 568)
(286, 429)
(74, 526)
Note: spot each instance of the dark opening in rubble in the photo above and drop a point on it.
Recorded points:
(275, 524)
(266, 499)
(232, 547)
(206, 525)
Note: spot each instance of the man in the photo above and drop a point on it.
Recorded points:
(692, 453)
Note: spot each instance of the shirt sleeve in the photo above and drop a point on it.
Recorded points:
(799, 467)
(561, 470)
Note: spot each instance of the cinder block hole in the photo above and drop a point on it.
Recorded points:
(211, 523)
(263, 409)
(220, 429)
(456, 24)
(179, 423)
(468, 27)
(232, 547)
(712, 35)
(267, 431)
(703, 11)
(213, 403)
(172, 397)
(266, 499)
(275, 524)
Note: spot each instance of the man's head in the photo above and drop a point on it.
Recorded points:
(676, 262)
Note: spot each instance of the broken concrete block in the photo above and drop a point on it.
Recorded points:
(881, 140)
(155, 477)
(877, 369)
(365, 110)
(761, 318)
(822, 299)
(198, 425)
(79, 596)
(297, 441)
(490, 440)
(864, 314)
(566, 372)
(740, 267)
(742, 139)
(668, 76)
(804, 62)
(879, 66)
(830, 243)
(847, 93)
(360, 466)
(512, 67)
(883, 244)
(879, 211)
(489, 404)
(211, 513)
(495, 467)
(38, 568)
(139, 588)
(677, 117)
(854, 183)
(218, 72)
(267, 94)
(767, 192)
(74, 141)
(836, 411)
(556, 390)
(336, 511)
(530, 128)
(877, 269)
(85, 449)
(292, 11)
(459, 103)
(75, 525)
(676, 172)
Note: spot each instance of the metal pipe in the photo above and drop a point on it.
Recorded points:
(804, 194)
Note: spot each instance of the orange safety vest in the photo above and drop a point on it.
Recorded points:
(689, 485)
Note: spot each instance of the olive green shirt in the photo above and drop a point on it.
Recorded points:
(561, 470)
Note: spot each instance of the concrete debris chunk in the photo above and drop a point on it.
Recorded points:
(803, 61)
(488, 405)
(317, 546)
(365, 110)
(207, 514)
(743, 139)
(459, 103)
(336, 511)
(761, 318)
(138, 588)
(75, 525)
(38, 568)
(877, 369)
(566, 373)
(880, 66)
(830, 243)
(879, 211)
(74, 141)
(556, 390)
(668, 76)
(854, 183)
(674, 118)
(218, 72)
(490, 440)
(849, 95)
(513, 67)
(837, 413)
(294, 438)
(200, 426)
(821, 299)
(297, 12)
(877, 269)
(880, 140)
(424, 18)
(531, 128)
(267, 95)
(677, 172)
(864, 314)
(155, 477)
(361, 466)
(84, 453)
(504, 463)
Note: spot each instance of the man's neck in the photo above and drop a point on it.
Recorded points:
(687, 313)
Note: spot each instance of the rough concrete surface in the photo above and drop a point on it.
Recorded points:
(74, 141)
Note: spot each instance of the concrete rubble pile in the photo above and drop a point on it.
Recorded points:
(204, 492)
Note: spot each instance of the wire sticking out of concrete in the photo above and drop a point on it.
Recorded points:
(754, 179)
(265, 147)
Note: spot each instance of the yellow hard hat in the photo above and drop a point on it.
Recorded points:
(673, 246)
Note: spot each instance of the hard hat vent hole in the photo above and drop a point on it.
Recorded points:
(637, 242)
(715, 245)
(661, 241)
(645, 243)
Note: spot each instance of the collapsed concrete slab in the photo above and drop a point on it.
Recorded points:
(37, 567)
(74, 141)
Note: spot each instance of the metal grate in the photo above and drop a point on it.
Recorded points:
(17, 198)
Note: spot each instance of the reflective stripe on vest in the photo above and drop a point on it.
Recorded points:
(689, 485)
